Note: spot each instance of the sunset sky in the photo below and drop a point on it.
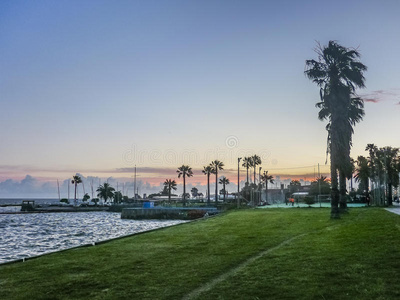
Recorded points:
(97, 87)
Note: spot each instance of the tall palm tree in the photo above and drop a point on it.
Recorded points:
(224, 181)
(216, 165)
(337, 72)
(363, 173)
(75, 181)
(376, 167)
(247, 164)
(169, 184)
(355, 113)
(105, 191)
(267, 178)
(255, 161)
(388, 159)
(184, 171)
(207, 171)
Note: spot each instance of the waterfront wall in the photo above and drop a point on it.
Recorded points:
(163, 213)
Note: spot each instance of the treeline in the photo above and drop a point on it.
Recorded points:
(105, 192)
(381, 168)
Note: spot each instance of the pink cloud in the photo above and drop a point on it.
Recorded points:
(372, 100)
(381, 95)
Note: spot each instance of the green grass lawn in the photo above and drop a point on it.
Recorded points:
(251, 254)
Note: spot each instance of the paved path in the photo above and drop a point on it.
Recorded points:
(395, 209)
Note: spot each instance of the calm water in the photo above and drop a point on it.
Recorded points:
(26, 235)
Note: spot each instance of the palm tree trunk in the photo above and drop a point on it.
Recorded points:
(216, 186)
(342, 191)
(255, 173)
(334, 191)
(389, 193)
(75, 195)
(184, 190)
(266, 191)
(169, 194)
(334, 155)
(351, 183)
(247, 175)
(208, 189)
(224, 193)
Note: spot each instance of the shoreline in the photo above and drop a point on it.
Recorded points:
(21, 260)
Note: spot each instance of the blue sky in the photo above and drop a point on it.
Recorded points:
(96, 87)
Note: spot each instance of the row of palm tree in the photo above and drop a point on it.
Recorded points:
(106, 191)
(251, 162)
(382, 167)
(214, 167)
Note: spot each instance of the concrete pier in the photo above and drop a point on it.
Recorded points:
(167, 213)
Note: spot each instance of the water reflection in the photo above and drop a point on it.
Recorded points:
(25, 235)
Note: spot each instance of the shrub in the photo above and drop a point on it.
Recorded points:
(195, 214)
(309, 201)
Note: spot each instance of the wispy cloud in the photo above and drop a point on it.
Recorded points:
(382, 95)
(147, 170)
(33, 187)
(372, 100)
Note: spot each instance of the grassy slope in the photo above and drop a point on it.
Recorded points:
(355, 257)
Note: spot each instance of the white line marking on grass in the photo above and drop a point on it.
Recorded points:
(209, 285)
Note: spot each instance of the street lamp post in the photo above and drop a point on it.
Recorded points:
(238, 191)
(259, 182)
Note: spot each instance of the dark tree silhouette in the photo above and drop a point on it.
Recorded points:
(363, 173)
(247, 164)
(169, 184)
(207, 171)
(184, 171)
(216, 165)
(105, 191)
(224, 181)
(267, 178)
(337, 72)
(75, 181)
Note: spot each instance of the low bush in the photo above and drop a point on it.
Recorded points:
(195, 214)
(309, 200)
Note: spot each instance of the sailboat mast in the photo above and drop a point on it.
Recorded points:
(91, 186)
(83, 185)
(134, 187)
(58, 186)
